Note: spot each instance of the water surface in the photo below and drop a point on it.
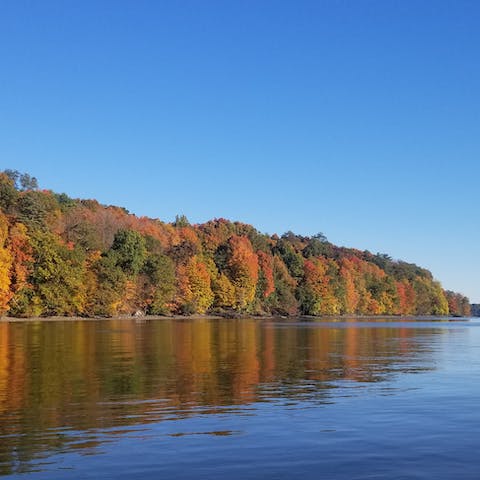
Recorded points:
(240, 399)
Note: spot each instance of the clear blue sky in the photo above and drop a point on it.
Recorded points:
(359, 119)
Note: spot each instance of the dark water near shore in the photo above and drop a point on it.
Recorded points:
(240, 399)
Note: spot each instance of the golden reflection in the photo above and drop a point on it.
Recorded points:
(4, 364)
(84, 375)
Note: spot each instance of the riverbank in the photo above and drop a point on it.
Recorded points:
(235, 317)
(119, 317)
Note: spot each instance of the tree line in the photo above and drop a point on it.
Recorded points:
(64, 256)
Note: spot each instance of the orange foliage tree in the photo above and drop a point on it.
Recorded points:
(5, 265)
(243, 270)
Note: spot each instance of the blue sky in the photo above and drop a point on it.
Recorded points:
(359, 119)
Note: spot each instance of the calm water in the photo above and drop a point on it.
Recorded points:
(240, 399)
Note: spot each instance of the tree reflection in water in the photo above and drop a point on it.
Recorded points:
(73, 385)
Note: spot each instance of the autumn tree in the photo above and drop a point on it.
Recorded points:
(266, 282)
(316, 294)
(8, 193)
(318, 246)
(22, 261)
(351, 297)
(458, 305)
(5, 265)
(224, 291)
(242, 267)
(194, 294)
(430, 299)
(57, 281)
(406, 298)
(292, 259)
(282, 301)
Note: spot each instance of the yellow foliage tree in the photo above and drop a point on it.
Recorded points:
(224, 291)
(194, 291)
(5, 265)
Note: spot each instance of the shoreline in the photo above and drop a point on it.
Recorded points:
(142, 318)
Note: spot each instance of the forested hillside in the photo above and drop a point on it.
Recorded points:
(63, 256)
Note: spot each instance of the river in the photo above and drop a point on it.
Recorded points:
(240, 399)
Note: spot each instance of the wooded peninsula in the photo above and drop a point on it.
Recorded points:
(72, 257)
